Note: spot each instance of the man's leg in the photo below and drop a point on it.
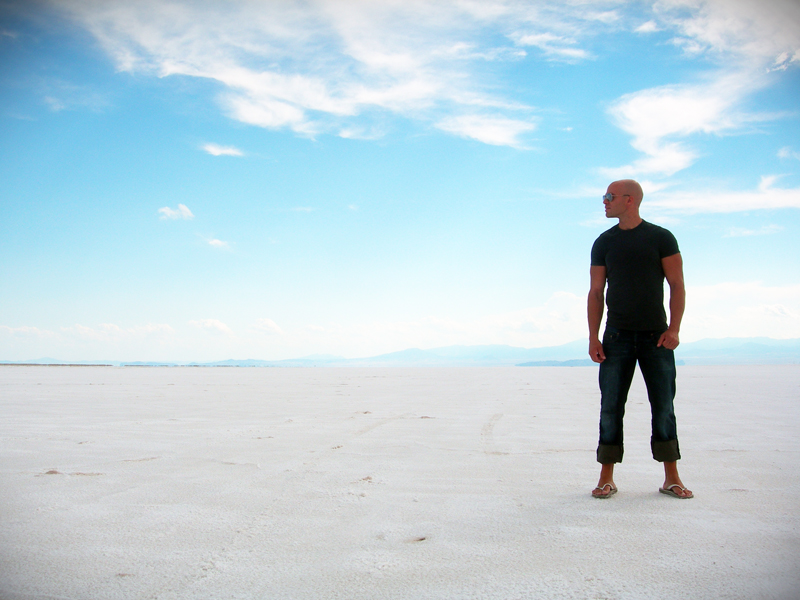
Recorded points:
(658, 369)
(616, 374)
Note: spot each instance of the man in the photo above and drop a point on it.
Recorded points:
(634, 257)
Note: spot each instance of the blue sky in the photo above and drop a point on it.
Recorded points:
(212, 180)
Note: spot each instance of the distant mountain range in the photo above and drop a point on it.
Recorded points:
(705, 352)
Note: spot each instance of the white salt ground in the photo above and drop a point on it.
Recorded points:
(223, 483)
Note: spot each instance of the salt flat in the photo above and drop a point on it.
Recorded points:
(196, 483)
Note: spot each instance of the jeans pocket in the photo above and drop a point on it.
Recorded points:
(653, 339)
(609, 337)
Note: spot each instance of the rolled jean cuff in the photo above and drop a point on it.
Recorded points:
(609, 453)
(665, 451)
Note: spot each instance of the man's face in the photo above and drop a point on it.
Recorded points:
(618, 203)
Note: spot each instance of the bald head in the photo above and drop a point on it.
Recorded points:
(631, 188)
(622, 202)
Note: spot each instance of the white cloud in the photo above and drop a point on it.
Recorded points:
(654, 117)
(212, 325)
(765, 197)
(554, 46)
(218, 244)
(647, 27)
(83, 332)
(107, 332)
(746, 39)
(60, 95)
(741, 309)
(267, 326)
(756, 33)
(155, 328)
(25, 331)
(182, 212)
(764, 230)
(787, 152)
(497, 131)
(314, 67)
(362, 133)
(561, 319)
(337, 66)
(54, 104)
(784, 60)
(216, 150)
(106, 341)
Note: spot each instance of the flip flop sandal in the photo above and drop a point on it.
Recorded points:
(670, 492)
(609, 494)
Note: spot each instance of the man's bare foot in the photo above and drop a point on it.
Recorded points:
(604, 490)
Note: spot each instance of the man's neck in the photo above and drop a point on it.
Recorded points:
(629, 221)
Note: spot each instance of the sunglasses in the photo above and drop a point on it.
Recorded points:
(610, 197)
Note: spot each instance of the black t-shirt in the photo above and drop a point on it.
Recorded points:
(632, 258)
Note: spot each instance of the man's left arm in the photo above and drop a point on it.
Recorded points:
(673, 271)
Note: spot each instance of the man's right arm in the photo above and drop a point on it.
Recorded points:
(595, 304)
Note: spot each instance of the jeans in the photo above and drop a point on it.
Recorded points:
(623, 349)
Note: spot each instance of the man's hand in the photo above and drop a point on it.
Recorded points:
(669, 339)
(594, 310)
(596, 351)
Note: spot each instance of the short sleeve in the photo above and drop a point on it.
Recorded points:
(667, 245)
(598, 253)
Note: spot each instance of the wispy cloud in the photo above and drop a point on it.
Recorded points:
(106, 332)
(742, 309)
(765, 197)
(339, 67)
(657, 118)
(326, 66)
(561, 319)
(215, 243)
(267, 326)
(182, 212)
(746, 40)
(54, 104)
(217, 150)
(554, 46)
(764, 230)
(647, 27)
(212, 325)
(497, 131)
(785, 60)
(26, 331)
(787, 152)
(739, 30)
(60, 95)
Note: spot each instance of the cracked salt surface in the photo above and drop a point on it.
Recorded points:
(173, 483)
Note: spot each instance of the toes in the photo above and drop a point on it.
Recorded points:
(604, 490)
(682, 492)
